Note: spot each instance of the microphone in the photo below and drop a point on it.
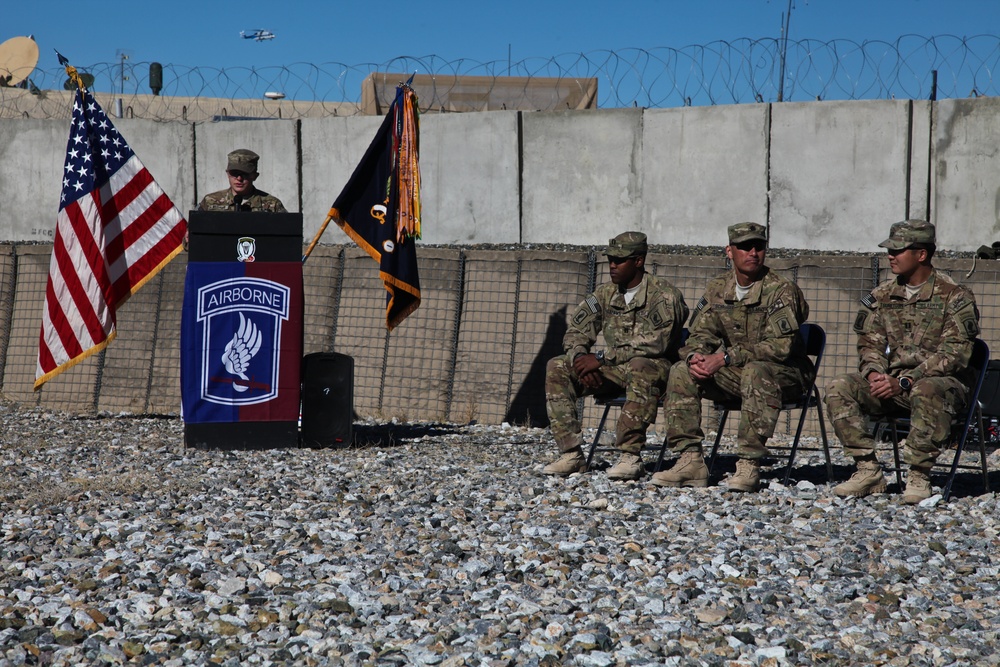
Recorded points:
(237, 202)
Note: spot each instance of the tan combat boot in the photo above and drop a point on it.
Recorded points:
(747, 477)
(867, 479)
(629, 466)
(688, 470)
(918, 485)
(567, 464)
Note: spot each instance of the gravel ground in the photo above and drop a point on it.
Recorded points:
(437, 544)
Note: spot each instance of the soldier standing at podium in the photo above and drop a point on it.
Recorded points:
(241, 194)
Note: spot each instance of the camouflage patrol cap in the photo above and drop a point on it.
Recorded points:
(909, 234)
(747, 231)
(243, 160)
(627, 244)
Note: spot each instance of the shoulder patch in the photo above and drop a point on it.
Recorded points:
(701, 304)
(971, 326)
(593, 303)
(869, 301)
(860, 321)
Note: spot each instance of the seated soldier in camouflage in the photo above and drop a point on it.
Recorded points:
(641, 318)
(241, 194)
(915, 334)
(744, 343)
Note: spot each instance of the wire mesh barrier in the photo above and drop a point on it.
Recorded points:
(475, 350)
(720, 72)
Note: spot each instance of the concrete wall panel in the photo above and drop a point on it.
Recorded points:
(838, 173)
(31, 163)
(469, 178)
(703, 169)
(581, 175)
(966, 190)
(920, 156)
(331, 149)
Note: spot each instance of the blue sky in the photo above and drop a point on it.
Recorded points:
(206, 33)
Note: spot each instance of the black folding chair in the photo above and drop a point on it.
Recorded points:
(815, 341)
(969, 423)
(617, 401)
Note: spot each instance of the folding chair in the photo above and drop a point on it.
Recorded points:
(961, 427)
(618, 401)
(815, 341)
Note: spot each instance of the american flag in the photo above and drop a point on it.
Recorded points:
(115, 230)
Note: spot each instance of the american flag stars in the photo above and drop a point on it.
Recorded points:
(94, 152)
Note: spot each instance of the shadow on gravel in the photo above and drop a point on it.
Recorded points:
(391, 435)
(773, 468)
(968, 483)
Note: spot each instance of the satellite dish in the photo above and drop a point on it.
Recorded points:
(274, 96)
(18, 57)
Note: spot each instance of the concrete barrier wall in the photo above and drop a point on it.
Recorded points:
(476, 349)
(823, 175)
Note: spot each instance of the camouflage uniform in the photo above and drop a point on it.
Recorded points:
(768, 363)
(929, 340)
(258, 201)
(640, 338)
(245, 161)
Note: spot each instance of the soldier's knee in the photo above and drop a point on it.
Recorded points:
(556, 365)
(838, 387)
(923, 390)
(755, 372)
(679, 371)
(557, 373)
(757, 377)
(643, 365)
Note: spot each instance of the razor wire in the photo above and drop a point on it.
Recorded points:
(721, 72)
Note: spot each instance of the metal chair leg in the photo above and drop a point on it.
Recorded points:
(597, 437)
(718, 439)
(826, 442)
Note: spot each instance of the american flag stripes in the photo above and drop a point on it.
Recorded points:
(115, 230)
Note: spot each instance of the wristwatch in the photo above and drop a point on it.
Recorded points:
(599, 355)
(905, 383)
(726, 359)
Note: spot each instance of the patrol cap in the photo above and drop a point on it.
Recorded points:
(243, 160)
(747, 231)
(627, 244)
(909, 234)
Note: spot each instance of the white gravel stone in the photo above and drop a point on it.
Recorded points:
(439, 544)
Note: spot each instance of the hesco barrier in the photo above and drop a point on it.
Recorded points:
(475, 350)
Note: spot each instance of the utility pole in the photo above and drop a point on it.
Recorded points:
(122, 56)
(786, 20)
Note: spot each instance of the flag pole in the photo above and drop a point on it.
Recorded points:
(322, 228)
(71, 71)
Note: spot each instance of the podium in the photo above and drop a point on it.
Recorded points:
(241, 331)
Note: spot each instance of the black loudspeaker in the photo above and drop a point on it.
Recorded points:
(989, 395)
(327, 399)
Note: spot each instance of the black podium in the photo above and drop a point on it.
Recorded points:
(241, 333)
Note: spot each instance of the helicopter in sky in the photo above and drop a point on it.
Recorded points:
(257, 35)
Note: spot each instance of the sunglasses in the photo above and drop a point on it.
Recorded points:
(239, 174)
(620, 260)
(747, 246)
